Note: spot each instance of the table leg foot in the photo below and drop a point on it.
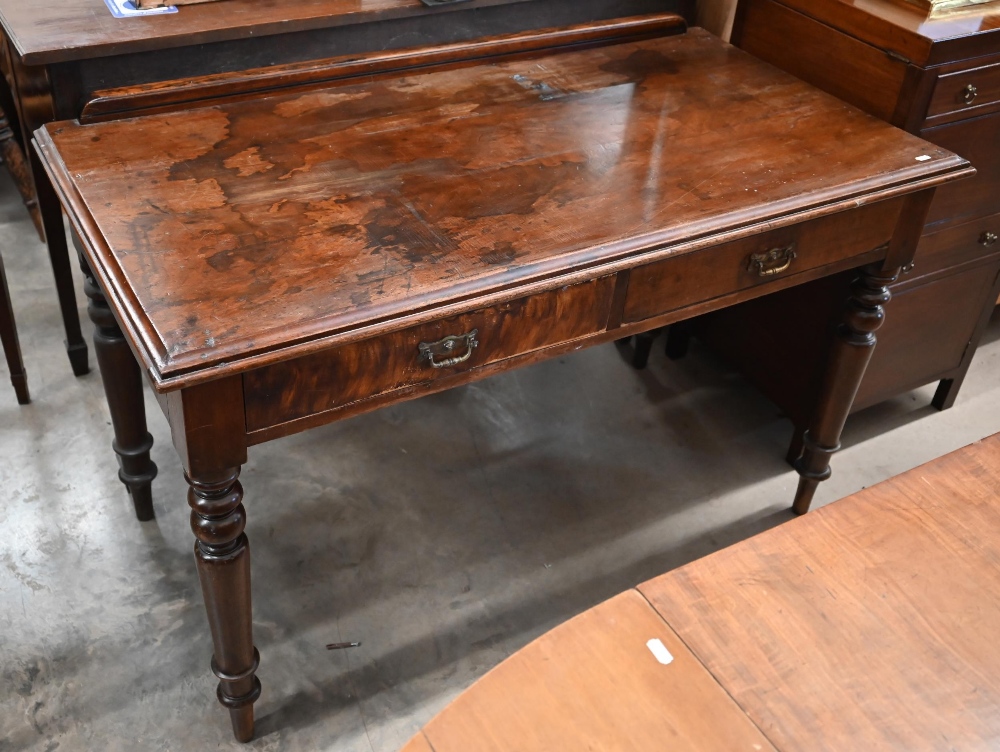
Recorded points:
(20, 384)
(852, 349)
(11, 346)
(222, 554)
(242, 720)
(123, 389)
(78, 360)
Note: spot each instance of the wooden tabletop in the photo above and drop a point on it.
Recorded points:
(870, 624)
(594, 683)
(231, 233)
(77, 29)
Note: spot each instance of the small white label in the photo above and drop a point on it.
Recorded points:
(923, 158)
(659, 651)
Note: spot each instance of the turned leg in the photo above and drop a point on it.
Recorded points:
(222, 554)
(123, 388)
(11, 347)
(851, 351)
(55, 238)
(795, 445)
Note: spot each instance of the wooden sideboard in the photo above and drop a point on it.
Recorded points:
(939, 79)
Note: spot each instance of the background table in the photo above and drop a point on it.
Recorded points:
(869, 624)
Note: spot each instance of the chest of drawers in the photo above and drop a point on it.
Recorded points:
(939, 79)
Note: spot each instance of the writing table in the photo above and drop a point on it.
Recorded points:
(280, 262)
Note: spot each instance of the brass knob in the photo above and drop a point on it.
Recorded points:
(988, 238)
(968, 94)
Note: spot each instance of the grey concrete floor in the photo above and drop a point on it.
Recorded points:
(444, 533)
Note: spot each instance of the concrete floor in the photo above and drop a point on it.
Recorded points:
(443, 534)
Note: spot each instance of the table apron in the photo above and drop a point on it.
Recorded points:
(293, 395)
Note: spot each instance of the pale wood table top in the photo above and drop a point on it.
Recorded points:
(593, 684)
(869, 624)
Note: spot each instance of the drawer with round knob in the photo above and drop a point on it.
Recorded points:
(958, 244)
(965, 90)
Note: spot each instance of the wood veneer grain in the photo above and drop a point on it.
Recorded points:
(868, 624)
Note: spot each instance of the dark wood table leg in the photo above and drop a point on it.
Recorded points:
(208, 426)
(32, 91)
(643, 346)
(222, 554)
(123, 388)
(17, 167)
(55, 239)
(11, 347)
(852, 349)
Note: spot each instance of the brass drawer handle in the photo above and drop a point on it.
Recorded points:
(968, 94)
(430, 350)
(772, 262)
(988, 238)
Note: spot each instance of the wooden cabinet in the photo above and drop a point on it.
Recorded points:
(939, 79)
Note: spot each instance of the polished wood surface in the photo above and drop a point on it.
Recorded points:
(592, 683)
(190, 212)
(174, 94)
(868, 624)
(281, 262)
(55, 57)
(418, 743)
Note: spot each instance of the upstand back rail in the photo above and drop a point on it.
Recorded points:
(378, 231)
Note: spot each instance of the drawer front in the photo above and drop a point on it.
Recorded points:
(677, 282)
(926, 331)
(978, 140)
(966, 89)
(955, 245)
(334, 378)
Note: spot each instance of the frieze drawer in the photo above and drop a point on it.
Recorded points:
(680, 281)
(965, 90)
(334, 378)
(954, 246)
